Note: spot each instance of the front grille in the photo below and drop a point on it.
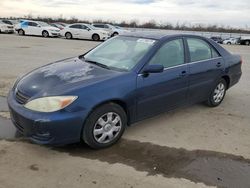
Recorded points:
(21, 98)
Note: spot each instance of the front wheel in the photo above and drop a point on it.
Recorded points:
(45, 34)
(218, 94)
(104, 126)
(247, 43)
(96, 37)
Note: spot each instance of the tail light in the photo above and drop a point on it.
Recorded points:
(241, 60)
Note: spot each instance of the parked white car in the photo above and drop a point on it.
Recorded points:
(84, 31)
(6, 28)
(114, 30)
(231, 40)
(38, 28)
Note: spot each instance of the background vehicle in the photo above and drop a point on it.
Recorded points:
(114, 30)
(124, 80)
(84, 31)
(231, 40)
(245, 40)
(59, 25)
(217, 39)
(27, 27)
(6, 28)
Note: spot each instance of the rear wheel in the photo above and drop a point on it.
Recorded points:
(21, 32)
(229, 43)
(218, 94)
(45, 34)
(247, 42)
(68, 35)
(104, 126)
(96, 37)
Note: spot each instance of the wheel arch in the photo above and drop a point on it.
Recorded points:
(119, 102)
(227, 79)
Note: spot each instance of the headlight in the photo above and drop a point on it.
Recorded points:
(50, 104)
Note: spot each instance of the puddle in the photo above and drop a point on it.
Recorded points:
(3, 104)
(208, 167)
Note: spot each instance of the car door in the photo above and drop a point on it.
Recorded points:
(34, 29)
(205, 68)
(85, 32)
(158, 92)
(75, 30)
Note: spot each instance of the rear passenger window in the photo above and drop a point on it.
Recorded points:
(170, 54)
(76, 26)
(200, 50)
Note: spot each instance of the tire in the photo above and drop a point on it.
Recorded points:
(229, 43)
(45, 34)
(95, 37)
(21, 32)
(104, 126)
(115, 34)
(247, 42)
(218, 93)
(68, 35)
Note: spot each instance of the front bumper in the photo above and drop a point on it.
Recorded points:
(54, 34)
(57, 128)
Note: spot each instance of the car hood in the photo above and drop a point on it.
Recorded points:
(62, 76)
(51, 28)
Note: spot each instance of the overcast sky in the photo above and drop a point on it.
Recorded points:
(235, 13)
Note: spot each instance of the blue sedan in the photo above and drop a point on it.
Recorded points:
(126, 79)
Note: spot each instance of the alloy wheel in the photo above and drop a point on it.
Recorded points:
(107, 127)
(219, 93)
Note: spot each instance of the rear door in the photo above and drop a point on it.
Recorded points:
(75, 30)
(205, 68)
(158, 92)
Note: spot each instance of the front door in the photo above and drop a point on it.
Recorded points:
(158, 92)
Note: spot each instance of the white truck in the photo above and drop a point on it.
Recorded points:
(245, 40)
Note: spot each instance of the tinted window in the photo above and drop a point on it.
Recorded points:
(99, 25)
(76, 26)
(170, 54)
(200, 50)
(33, 24)
(84, 27)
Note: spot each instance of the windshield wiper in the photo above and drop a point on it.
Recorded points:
(98, 64)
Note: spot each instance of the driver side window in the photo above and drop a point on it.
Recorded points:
(170, 54)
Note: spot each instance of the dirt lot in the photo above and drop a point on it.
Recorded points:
(194, 146)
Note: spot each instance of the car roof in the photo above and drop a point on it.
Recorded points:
(156, 35)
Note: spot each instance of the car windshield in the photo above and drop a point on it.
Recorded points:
(91, 26)
(43, 24)
(121, 53)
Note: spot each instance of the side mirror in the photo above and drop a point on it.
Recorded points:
(88, 29)
(153, 69)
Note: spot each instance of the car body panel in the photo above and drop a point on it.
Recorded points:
(34, 28)
(86, 33)
(141, 95)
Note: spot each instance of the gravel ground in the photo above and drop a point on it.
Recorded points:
(194, 146)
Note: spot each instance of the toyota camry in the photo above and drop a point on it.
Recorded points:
(95, 96)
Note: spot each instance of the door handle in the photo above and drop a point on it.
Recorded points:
(218, 64)
(183, 73)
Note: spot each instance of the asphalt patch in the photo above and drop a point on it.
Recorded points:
(208, 167)
(3, 104)
(8, 130)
